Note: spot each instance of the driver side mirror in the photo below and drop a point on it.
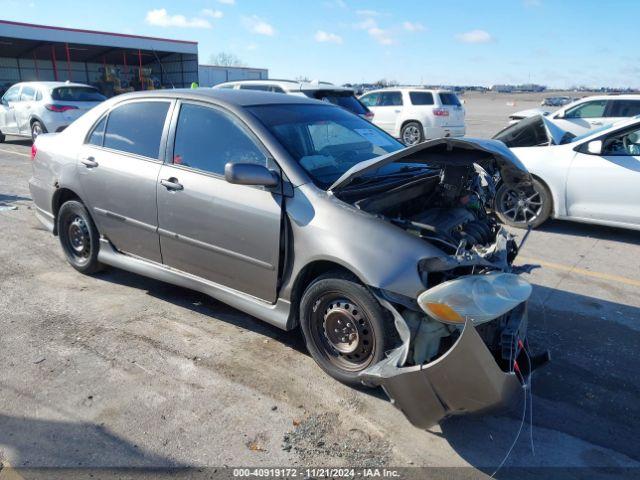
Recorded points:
(594, 147)
(560, 115)
(250, 174)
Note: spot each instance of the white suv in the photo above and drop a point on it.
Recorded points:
(28, 109)
(415, 114)
(328, 92)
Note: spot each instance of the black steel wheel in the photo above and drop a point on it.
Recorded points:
(521, 209)
(79, 237)
(345, 328)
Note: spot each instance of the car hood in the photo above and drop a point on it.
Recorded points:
(450, 151)
(533, 131)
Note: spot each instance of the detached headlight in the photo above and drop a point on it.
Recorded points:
(479, 298)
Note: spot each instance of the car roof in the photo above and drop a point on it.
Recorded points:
(241, 98)
(288, 85)
(625, 96)
(55, 84)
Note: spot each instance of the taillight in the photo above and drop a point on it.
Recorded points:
(441, 112)
(59, 108)
(368, 116)
(34, 150)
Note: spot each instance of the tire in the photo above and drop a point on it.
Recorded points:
(36, 129)
(513, 207)
(336, 300)
(412, 133)
(79, 237)
(2, 137)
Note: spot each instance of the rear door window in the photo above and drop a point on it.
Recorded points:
(623, 108)
(207, 139)
(28, 93)
(136, 128)
(390, 99)
(421, 98)
(449, 98)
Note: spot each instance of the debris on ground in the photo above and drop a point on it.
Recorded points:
(325, 435)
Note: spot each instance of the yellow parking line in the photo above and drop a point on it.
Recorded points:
(15, 153)
(581, 271)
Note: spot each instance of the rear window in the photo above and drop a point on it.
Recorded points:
(421, 98)
(448, 98)
(342, 99)
(77, 94)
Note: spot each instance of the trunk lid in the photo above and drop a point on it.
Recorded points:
(452, 105)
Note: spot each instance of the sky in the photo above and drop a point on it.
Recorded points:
(558, 43)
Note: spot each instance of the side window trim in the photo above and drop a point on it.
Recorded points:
(171, 140)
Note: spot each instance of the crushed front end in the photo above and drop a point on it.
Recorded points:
(464, 342)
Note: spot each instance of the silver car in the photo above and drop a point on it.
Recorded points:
(28, 109)
(591, 178)
(304, 215)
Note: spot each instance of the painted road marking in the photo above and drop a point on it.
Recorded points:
(581, 271)
(15, 153)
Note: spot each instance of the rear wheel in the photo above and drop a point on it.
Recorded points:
(79, 237)
(2, 137)
(520, 209)
(346, 330)
(36, 129)
(412, 133)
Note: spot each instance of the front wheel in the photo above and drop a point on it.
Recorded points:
(345, 329)
(412, 133)
(521, 210)
(79, 237)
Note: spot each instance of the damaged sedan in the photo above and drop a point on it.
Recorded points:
(304, 215)
(591, 178)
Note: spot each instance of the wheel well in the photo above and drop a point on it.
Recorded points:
(307, 275)
(61, 196)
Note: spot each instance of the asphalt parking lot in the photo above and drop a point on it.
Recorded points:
(117, 370)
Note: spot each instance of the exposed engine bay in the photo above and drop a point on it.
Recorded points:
(449, 207)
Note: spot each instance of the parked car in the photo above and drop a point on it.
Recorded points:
(325, 91)
(557, 101)
(588, 113)
(592, 178)
(416, 114)
(28, 109)
(300, 213)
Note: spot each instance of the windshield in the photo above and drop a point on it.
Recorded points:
(326, 141)
(77, 94)
(591, 132)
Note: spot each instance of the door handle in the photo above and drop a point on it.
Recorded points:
(397, 111)
(89, 162)
(171, 184)
(596, 123)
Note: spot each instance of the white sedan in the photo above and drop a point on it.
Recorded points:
(593, 178)
(588, 113)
